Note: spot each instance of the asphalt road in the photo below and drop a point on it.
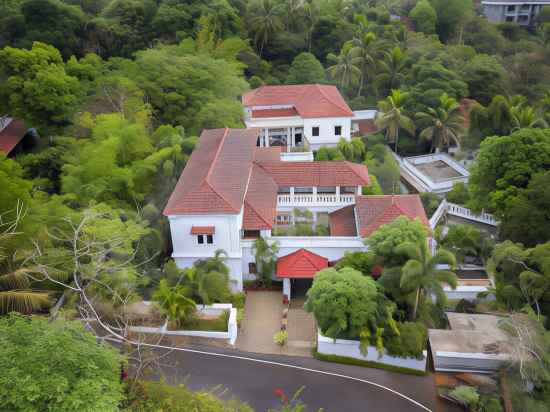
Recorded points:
(243, 377)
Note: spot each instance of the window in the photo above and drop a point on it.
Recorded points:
(348, 189)
(303, 190)
(511, 8)
(326, 190)
(202, 239)
(298, 139)
(283, 219)
(337, 130)
(283, 190)
(251, 234)
(315, 131)
(252, 268)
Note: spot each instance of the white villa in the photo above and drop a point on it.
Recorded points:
(232, 191)
(310, 115)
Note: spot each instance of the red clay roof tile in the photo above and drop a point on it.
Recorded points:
(375, 211)
(203, 230)
(11, 135)
(300, 264)
(260, 203)
(342, 222)
(309, 100)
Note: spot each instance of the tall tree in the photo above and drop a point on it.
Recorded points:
(443, 124)
(365, 52)
(422, 275)
(391, 68)
(265, 21)
(424, 17)
(392, 117)
(344, 68)
(306, 69)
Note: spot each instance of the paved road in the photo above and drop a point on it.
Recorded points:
(255, 382)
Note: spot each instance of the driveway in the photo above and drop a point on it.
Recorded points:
(301, 328)
(263, 312)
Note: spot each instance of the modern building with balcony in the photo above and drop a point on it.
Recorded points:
(513, 11)
(232, 192)
(298, 116)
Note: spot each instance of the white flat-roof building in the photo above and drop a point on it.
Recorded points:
(513, 11)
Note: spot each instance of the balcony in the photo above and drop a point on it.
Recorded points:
(319, 199)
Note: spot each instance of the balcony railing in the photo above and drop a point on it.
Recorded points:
(315, 199)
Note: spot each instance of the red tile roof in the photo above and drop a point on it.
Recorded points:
(203, 230)
(268, 154)
(366, 127)
(216, 175)
(309, 100)
(260, 203)
(322, 173)
(342, 222)
(11, 135)
(287, 112)
(375, 211)
(300, 264)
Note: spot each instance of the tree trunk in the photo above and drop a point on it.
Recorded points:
(396, 139)
(416, 304)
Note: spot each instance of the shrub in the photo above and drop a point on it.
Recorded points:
(238, 300)
(459, 194)
(466, 395)
(410, 342)
(430, 201)
(281, 337)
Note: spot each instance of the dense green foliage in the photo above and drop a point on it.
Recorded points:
(56, 366)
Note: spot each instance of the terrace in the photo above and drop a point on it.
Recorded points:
(432, 173)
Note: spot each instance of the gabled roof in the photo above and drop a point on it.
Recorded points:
(342, 222)
(309, 100)
(375, 211)
(260, 203)
(216, 175)
(300, 264)
(321, 173)
(11, 135)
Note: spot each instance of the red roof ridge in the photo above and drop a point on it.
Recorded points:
(211, 168)
(318, 86)
(218, 150)
(247, 203)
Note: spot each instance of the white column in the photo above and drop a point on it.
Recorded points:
(337, 193)
(359, 191)
(286, 288)
(315, 193)
(292, 195)
(266, 136)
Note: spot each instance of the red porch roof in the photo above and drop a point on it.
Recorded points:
(301, 264)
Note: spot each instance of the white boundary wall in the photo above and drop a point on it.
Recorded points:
(350, 349)
(212, 310)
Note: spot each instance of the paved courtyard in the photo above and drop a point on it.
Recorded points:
(262, 319)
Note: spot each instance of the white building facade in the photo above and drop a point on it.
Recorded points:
(233, 192)
(298, 116)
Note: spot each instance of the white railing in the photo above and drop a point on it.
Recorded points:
(333, 242)
(438, 214)
(457, 210)
(315, 200)
(460, 211)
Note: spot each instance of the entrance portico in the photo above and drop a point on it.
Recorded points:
(299, 266)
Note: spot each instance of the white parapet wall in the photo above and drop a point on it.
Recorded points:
(211, 310)
(350, 349)
(297, 156)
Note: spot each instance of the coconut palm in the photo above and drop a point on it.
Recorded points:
(526, 117)
(365, 53)
(292, 12)
(174, 302)
(16, 295)
(208, 280)
(422, 275)
(391, 69)
(344, 69)
(392, 118)
(265, 21)
(444, 124)
(311, 15)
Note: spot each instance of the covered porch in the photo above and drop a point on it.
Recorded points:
(287, 137)
(297, 271)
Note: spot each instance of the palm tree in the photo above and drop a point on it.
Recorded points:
(422, 275)
(365, 52)
(265, 21)
(391, 116)
(16, 295)
(444, 123)
(208, 280)
(292, 9)
(344, 69)
(311, 15)
(391, 69)
(173, 302)
(526, 117)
